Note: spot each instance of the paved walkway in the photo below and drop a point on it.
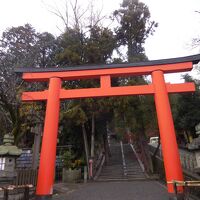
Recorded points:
(135, 190)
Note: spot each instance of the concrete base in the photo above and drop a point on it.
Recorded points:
(43, 197)
(176, 197)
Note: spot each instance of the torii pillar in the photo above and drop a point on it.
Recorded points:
(173, 169)
(49, 142)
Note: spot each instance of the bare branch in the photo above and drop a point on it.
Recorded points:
(74, 9)
(76, 16)
(66, 13)
(56, 11)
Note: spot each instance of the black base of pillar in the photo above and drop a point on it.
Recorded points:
(43, 197)
(176, 197)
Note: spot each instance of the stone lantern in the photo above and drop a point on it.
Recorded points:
(8, 155)
(197, 155)
(195, 147)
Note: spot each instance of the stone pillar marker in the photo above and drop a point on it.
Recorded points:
(195, 147)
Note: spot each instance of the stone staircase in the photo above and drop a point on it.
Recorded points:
(133, 169)
(122, 165)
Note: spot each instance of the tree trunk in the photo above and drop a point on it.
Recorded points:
(36, 146)
(144, 149)
(109, 153)
(86, 145)
(106, 145)
(92, 136)
(105, 148)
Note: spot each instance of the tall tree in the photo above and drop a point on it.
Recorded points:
(99, 45)
(20, 47)
(135, 27)
(188, 115)
(78, 48)
(15, 46)
(18, 43)
(71, 47)
(47, 47)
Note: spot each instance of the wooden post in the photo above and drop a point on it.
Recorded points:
(26, 193)
(86, 145)
(85, 174)
(92, 136)
(5, 194)
(36, 146)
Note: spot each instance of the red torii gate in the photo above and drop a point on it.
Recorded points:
(158, 88)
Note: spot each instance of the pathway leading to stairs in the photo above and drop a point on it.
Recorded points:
(121, 179)
(124, 190)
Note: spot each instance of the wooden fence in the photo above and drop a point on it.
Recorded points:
(25, 177)
(24, 192)
(23, 186)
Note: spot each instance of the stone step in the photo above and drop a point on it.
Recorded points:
(105, 176)
(119, 175)
(113, 168)
(112, 165)
(112, 171)
(120, 179)
(134, 172)
(112, 174)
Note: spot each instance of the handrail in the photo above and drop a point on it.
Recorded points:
(138, 159)
(99, 168)
(123, 159)
(185, 183)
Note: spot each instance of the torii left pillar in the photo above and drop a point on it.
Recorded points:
(46, 172)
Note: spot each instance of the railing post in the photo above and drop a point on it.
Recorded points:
(26, 193)
(85, 174)
(5, 194)
(91, 168)
(173, 169)
(46, 172)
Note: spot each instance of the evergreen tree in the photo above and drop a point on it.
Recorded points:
(21, 47)
(188, 112)
(135, 27)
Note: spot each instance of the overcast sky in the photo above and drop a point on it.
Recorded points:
(177, 19)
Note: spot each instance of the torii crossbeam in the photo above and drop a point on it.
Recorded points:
(158, 88)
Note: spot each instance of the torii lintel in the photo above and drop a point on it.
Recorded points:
(105, 73)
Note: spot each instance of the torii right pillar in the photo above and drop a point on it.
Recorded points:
(171, 158)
